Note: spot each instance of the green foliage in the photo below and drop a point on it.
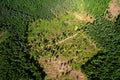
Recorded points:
(106, 64)
(15, 61)
(96, 7)
(43, 36)
(3, 35)
(44, 9)
(14, 49)
(15, 56)
(43, 40)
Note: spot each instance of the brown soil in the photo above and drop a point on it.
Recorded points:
(78, 75)
(55, 66)
(58, 66)
(113, 11)
(84, 17)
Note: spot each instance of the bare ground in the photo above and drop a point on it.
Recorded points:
(113, 11)
(84, 17)
(56, 67)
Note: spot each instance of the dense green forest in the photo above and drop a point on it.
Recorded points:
(107, 61)
(36, 29)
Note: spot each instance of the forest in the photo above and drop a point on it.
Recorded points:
(59, 40)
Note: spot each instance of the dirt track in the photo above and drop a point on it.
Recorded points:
(70, 37)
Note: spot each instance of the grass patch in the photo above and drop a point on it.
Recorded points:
(96, 7)
(44, 34)
(3, 36)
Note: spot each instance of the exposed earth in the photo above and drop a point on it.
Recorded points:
(113, 11)
(57, 67)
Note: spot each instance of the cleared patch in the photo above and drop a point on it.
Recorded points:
(57, 67)
(113, 11)
(62, 36)
(84, 17)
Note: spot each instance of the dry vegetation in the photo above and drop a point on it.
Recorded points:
(113, 10)
(57, 67)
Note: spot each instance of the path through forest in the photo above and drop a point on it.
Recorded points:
(70, 37)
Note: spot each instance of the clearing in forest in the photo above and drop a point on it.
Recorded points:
(66, 40)
(59, 44)
(113, 10)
